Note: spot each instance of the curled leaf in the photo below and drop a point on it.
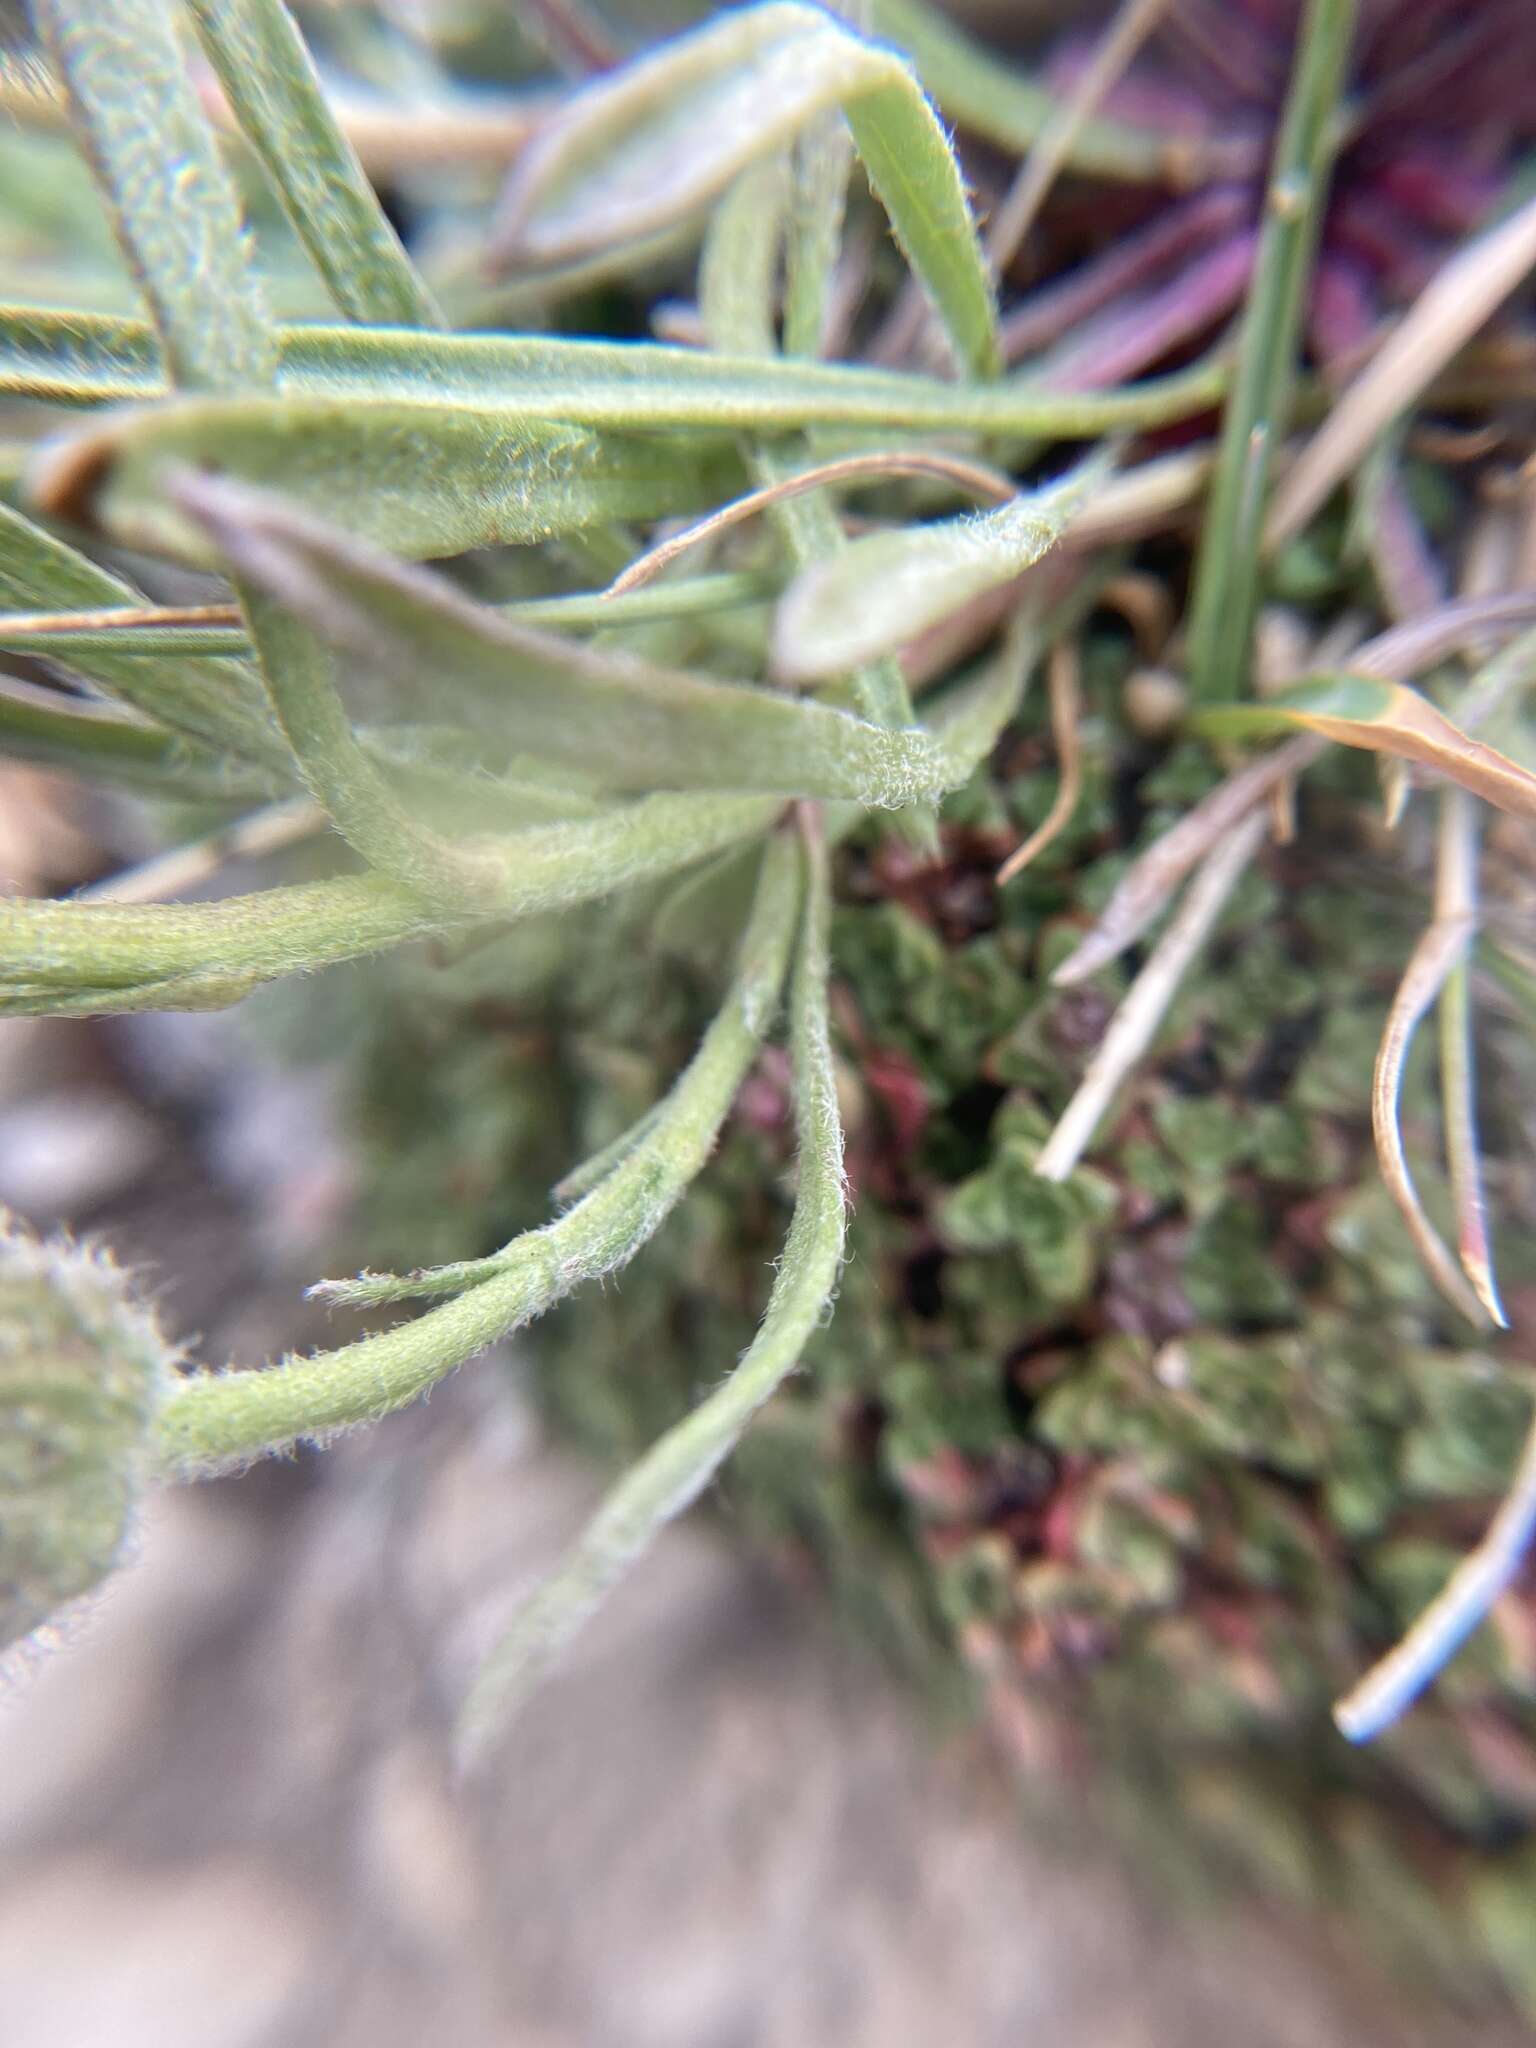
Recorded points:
(1390, 718)
(1063, 680)
(1466, 1601)
(1438, 953)
(653, 144)
(886, 588)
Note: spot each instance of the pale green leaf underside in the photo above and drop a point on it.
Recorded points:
(884, 589)
(624, 721)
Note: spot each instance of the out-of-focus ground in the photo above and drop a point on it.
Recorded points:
(227, 1818)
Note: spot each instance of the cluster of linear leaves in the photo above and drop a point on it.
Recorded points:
(492, 761)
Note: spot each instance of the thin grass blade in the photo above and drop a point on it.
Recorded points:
(846, 469)
(175, 631)
(1134, 1025)
(1225, 594)
(1439, 952)
(1456, 895)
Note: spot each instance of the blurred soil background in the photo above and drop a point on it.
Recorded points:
(227, 1818)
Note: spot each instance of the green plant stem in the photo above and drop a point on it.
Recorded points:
(1226, 583)
(81, 959)
(218, 1420)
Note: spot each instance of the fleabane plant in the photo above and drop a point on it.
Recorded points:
(482, 762)
(317, 467)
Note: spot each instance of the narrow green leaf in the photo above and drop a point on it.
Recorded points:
(885, 588)
(173, 205)
(736, 297)
(654, 143)
(822, 159)
(628, 724)
(215, 702)
(677, 1468)
(419, 483)
(219, 1420)
(623, 385)
(265, 70)
(83, 959)
(77, 358)
(81, 739)
(1226, 584)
